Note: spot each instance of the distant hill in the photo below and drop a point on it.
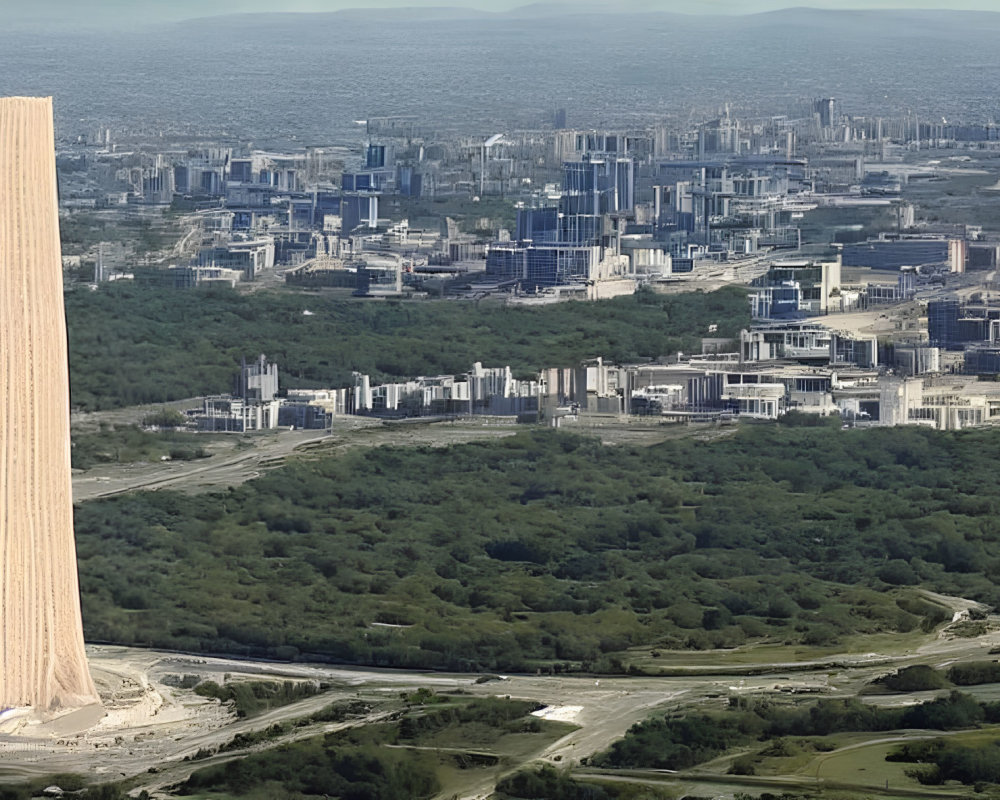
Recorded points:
(824, 25)
(56, 14)
(395, 15)
(281, 79)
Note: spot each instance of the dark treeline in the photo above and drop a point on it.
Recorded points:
(951, 761)
(493, 712)
(974, 673)
(250, 698)
(322, 767)
(357, 764)
(921, 678)
(918, 678)
(72, 785)
(143, 343)
(548, 783)
(549, 547)
(679, 743)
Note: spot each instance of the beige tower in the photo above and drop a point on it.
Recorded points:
(42, 661)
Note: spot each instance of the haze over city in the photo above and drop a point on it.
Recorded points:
(98, 13)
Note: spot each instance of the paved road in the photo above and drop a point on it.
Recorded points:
(227, 469)
(602, 708)
(244, 457)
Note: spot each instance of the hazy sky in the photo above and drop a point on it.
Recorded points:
(102, 12)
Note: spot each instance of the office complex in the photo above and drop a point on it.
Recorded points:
(42, 660)
(253, 405)
(578, 241)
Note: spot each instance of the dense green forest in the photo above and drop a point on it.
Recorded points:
(142, 343)
(549, 549)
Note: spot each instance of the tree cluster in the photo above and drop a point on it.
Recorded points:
(548, 549)
(665, 742)
(951, 761)
(147, 343)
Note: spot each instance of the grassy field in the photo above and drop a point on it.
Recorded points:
(652, 660)
(857, 764)
(129, 444)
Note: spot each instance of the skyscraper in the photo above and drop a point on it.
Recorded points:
(42, 660)
(826, 109)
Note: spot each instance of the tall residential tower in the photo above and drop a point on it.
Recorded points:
(42, 661)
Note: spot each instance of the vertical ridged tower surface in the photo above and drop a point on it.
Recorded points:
(42, 660)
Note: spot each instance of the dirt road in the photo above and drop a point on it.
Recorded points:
(244, 457)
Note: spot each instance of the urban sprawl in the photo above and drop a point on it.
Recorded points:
(863, 307)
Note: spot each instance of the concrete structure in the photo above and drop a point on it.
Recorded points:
(556, 265)
(915, 359)
(799, 341)
(646, 256)
(577, 242)
(257, 381)
(730, 205)
(953, 324)
(189, 277)
(42, 660)
(253, 406)
(983, 256)
(792, 287)
(224, 413)
(248, 257)
(914, 251)
(491, 391)
(724, 389)
(308, 409)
